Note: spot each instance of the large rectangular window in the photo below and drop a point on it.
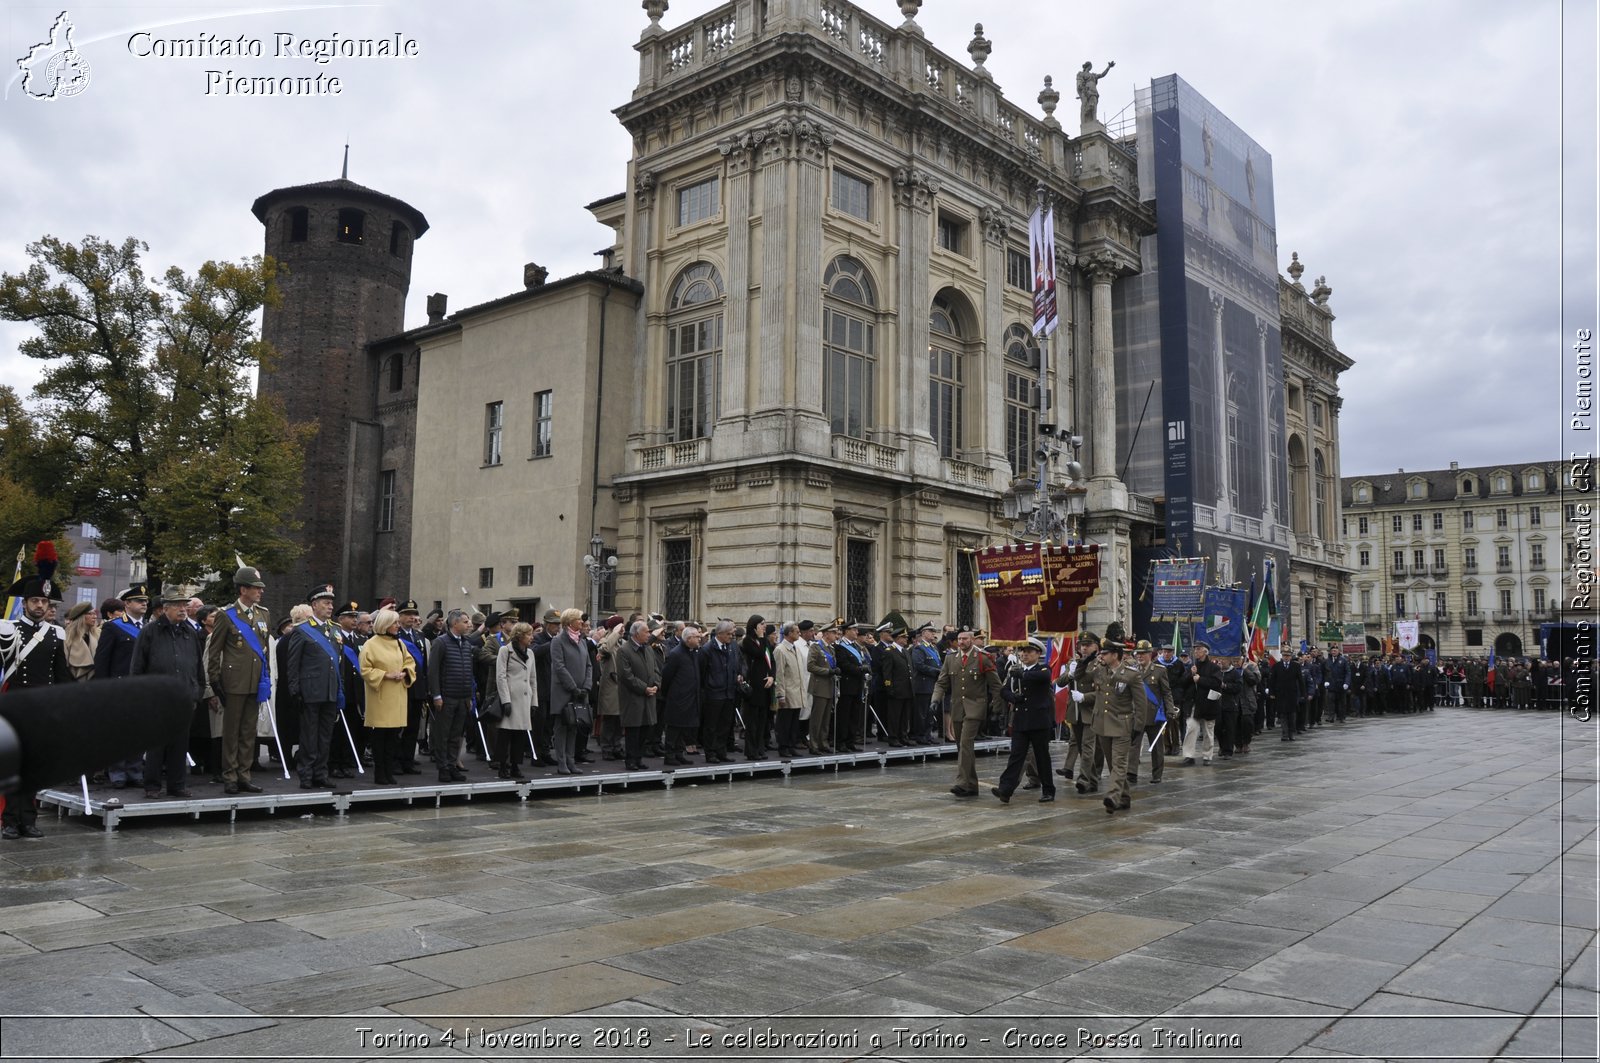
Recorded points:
(1502, 558)
(1466, 519)
(847, 372)
(858, 579)
(1535, 517)
(1505, 601)
(524, 575)
(1472, 603)
(945, 397)
(544, 405)
(952, 233)
(677, 566)
(852, 195)
(1022, 422)
(494, 421)
(386, 490)
(697, 201)
(1361, 525)
(1019, 272)
(485, 578)
(694, 377)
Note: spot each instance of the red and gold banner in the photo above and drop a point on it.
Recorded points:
(1011, 579)
(1071, 578)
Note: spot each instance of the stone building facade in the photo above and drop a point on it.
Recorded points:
(1478, 555)
(1319, 570)
(813, 374)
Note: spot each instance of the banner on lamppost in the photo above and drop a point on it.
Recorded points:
(1042, 249)
(1071, 578)
(1011, 579)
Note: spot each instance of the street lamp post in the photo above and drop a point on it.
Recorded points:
(601, 568)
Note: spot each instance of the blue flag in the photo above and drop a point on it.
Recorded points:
(1223, 628)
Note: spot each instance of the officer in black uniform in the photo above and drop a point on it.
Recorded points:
(1032, 697)
(33, 654)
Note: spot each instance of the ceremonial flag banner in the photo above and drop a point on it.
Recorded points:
(1354, 638)
(1179, 589)
(1223, 629)
(1061, 651)
(1071, 578)
(1011, 579)
(1406, 630)
(1042, 249)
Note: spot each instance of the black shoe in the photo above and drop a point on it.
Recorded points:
(1188, 762)
(445, 776)
(230, 788)
(1125, 806)
(31, 831)
(1045, 799)
(250, 788)
(1005, 798)
(1082, 787)
(10, 833)
(1031, 784)
(1133, 780)
(182, 795)
(458, 776)
(1065, 773)
(152, 793)
(307, 786)
(960, 791)
(1111, 806)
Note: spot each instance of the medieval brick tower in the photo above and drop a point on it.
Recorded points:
(346, 253)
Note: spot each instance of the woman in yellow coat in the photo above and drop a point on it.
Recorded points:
(387, 669)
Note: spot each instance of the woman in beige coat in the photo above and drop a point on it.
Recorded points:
(516, 679)
(387, 670)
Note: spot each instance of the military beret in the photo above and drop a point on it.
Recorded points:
(806, 625)
(78, 610)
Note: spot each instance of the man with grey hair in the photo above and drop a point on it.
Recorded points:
(450, 685)
(724, 682)
(682, 682)
(791, 680)
(638, 678)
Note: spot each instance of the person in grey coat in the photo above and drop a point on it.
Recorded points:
(571, 677)
(638, 680)
(312, 672)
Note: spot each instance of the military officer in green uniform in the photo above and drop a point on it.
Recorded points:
(1082, 749)
(972, 681)
(1116, 684)
(236, 662)
(1145, 724)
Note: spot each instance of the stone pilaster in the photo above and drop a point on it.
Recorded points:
(739, 155)
(914, 194)
(1220, 407)
(1265, 376)
(988, 433)
(1102, 271)
(648, 408)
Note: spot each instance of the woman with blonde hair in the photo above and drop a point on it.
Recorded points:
(516, 680)
(387, 670)
(83, 637)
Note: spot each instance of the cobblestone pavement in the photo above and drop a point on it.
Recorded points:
(1402, 887)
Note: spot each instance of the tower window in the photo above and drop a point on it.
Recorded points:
(397, 371)
(296, 222)
(352, 226)
(397, 240)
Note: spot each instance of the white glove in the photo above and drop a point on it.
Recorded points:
(1326, 685)
(1077, 697)
(1072, 668)
(1347, 686)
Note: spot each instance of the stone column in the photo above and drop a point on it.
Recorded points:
(811, 143)
(1225, 479)
(1103, 370)
(736, 336)
(648, 412)
(986, 374)
(776, 228)
(914, 192)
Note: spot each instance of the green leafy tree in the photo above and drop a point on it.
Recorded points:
(157, 436)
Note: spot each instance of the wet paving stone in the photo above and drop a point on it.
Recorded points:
(1372, 892)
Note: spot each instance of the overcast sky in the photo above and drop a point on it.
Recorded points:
(1416, 144)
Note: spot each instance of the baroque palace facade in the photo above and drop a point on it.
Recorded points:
(804, 380)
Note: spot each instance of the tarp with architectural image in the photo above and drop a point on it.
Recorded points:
(1011, 578)
(1222, 630)
(1178, 589)
(1071, 578)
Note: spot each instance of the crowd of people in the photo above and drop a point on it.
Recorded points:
(333, 688)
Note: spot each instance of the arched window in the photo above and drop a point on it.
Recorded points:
(694, 351)
(296, 224)
(1299, 487)
(946, 392)
(1320, 487)
(849, 358)
(1022, 398)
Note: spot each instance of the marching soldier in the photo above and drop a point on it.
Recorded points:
(1146, 726)
(1031, 693)
(1081, 746)
(972, 682)
(1116, 684)
(33, 653)
(236, 664)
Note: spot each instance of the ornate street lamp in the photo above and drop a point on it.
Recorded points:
(601, 568)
